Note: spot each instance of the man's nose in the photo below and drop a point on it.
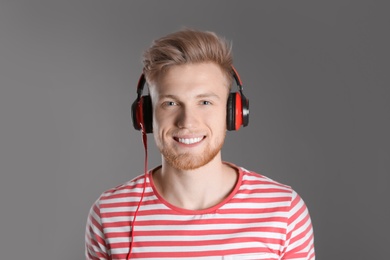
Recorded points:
(187, 118)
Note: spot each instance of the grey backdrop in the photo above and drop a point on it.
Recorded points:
(316, 73)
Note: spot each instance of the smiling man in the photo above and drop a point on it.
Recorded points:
(195, 205)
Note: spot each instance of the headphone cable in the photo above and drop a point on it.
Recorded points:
(145, 142)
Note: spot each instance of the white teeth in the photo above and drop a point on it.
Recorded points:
(190, 140)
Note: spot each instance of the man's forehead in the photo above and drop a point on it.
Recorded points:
(195, 69)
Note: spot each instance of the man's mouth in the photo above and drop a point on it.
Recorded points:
(189, 140)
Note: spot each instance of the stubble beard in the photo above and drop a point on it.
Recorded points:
(188, 161)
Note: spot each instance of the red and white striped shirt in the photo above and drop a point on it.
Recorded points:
(260, 219)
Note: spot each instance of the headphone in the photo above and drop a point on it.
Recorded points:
(237, 108)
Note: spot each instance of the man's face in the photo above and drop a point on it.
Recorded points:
(189, 114)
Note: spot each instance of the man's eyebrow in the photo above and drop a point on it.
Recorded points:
(203, 95)
(168, 96)
(208, 95)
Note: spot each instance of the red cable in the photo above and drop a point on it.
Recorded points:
(145, 142)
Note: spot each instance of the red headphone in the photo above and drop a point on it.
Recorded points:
(237, 107)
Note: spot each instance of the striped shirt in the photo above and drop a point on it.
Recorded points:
(260, 219)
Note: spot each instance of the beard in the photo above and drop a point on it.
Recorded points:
(190, 161)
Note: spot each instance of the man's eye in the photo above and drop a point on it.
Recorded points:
(170, 103)
(205, 102)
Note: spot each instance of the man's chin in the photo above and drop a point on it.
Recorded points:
(187, 162)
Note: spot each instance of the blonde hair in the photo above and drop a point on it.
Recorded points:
(185, 47)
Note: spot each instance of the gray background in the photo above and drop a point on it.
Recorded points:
(316, 73)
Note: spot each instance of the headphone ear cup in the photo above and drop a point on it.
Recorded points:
(142, 114)
(147, 114)
(230, 113)
(245, 110)
(135, 115)
(237, 111)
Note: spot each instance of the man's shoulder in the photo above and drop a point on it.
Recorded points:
(264, 191)
(132, 186)
(252, 178)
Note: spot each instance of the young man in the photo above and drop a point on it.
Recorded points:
(196, 206)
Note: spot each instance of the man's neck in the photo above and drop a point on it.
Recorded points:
(196, 189)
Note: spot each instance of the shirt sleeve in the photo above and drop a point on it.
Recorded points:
(299, 243)
(95, 244)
